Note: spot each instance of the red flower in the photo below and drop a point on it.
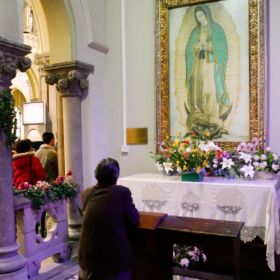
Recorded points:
(59, 180)
(219, 154)
(69, 173)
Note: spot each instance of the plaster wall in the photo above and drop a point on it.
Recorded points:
(139, 44)
(273, 81)
(11, 20)
(95, 106)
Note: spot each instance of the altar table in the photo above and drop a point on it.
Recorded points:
(254, 202)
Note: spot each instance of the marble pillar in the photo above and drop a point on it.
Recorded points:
(72, 84)
(12, 264)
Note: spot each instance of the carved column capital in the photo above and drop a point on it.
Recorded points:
(41, 60)
(12, 57)
(69, 77)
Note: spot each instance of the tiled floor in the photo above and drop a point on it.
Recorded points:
(53, 271)
(69, 271)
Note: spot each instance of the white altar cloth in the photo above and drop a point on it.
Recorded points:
(254, 202)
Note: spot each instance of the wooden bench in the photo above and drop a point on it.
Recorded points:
(195, 231)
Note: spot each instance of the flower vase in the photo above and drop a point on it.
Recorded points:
(192, 176)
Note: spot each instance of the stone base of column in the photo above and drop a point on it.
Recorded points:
(12, 264)
(74, 218)
(16, 275)
(74, 229)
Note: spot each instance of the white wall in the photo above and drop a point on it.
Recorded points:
(11, 20)
(139, 28)
(274, 75)
(94, 106)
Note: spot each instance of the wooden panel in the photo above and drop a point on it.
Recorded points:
(150, 220)
(201, 226)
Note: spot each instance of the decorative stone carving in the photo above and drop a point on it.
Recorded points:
(70, 77)
(51, 79)
(11, 59)
(41, 60)
(33, 246)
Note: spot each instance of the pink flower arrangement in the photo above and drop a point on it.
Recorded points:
(24, 186)
(185, 255)
(61, 188)
(42, 185)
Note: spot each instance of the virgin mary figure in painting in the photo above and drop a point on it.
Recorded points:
(208, 104)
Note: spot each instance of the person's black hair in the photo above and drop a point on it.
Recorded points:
(107, 172)
(23, 146)
(47, 137)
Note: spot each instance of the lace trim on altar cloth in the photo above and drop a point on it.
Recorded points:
(190, 207)
(154, 204)
(250, 233)
(229, 210)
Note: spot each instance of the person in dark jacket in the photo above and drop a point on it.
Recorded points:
(105, 251)
(26, 167)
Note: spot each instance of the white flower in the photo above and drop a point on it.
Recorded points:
(184, 262)
(191, 253)
(275, 156)
(246, 157)
(209, 146)
(256, 164)
(263, 157)
(195, 258)
(248, 170)
(204, 258)
(215, 165)
(275, 167)
(159, 166)
(215, 160)
(267, 149)
(256, 157)
(168, 166)
(263, 164)
(179, 170)
(227, 163)
(203, 147)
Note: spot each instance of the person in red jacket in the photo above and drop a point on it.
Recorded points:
(26, 167)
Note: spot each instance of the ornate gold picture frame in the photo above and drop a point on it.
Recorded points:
(243, 109)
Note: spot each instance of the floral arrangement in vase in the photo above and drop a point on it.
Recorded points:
(250, 159)
(187, 154)
(198, 155)
(43, 192)
(185, 255)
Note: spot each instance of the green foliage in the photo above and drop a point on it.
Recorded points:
(7, 116)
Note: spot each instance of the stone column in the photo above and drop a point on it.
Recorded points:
(54, 108)
(12, 265)
(72, 84)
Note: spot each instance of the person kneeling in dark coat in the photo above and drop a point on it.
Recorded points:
(105, 251)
